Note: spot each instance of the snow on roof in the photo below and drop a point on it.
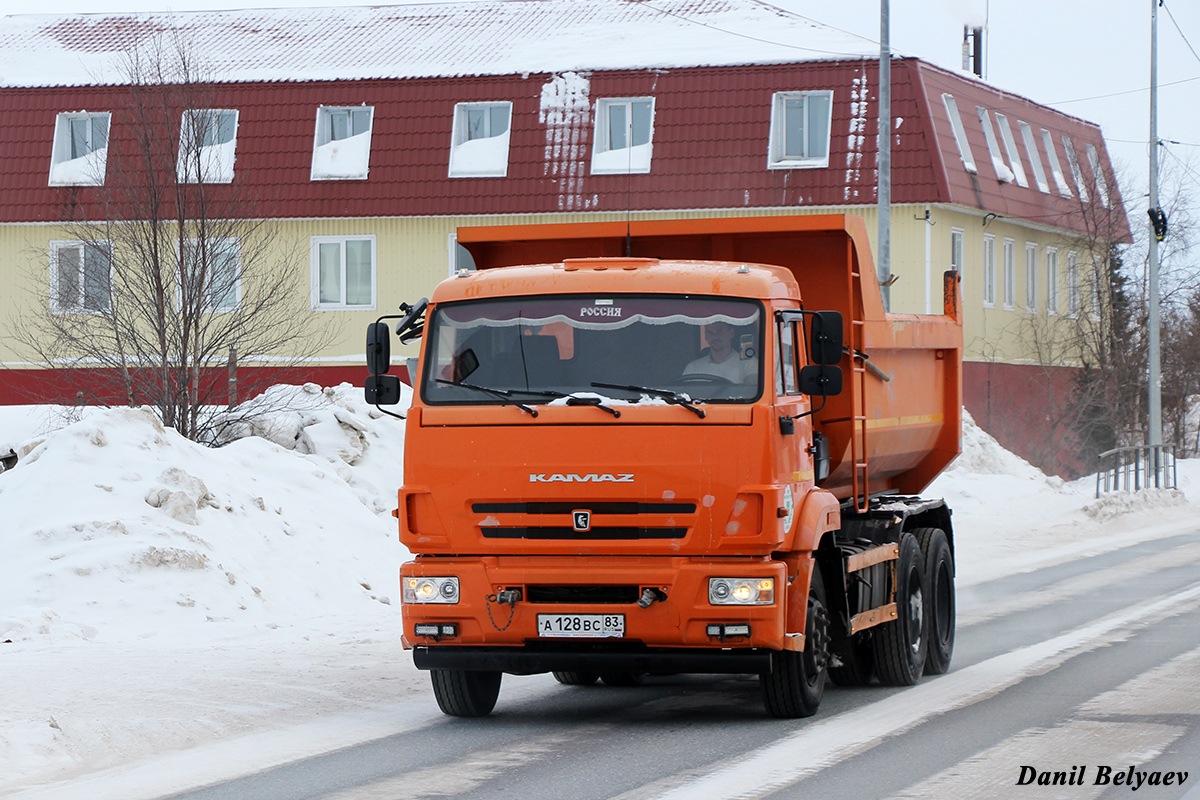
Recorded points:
(487, 37)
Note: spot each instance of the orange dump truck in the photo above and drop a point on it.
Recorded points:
(686, 446)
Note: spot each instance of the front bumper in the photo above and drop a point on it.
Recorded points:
(679, 622)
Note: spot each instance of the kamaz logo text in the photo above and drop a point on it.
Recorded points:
(591, 477)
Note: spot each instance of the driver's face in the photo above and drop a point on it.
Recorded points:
(718, 331)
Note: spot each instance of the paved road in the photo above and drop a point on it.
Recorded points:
(1072, 669)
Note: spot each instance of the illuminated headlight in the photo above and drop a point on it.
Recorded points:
(431, 590)
(741, 591)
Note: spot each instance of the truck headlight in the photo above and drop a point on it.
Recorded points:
(430, 590)
(741, 591)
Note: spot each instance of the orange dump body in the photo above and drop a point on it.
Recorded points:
(673, 499)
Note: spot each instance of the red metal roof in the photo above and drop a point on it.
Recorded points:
(711, 131)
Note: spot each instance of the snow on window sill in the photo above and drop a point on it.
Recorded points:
(343, 160)
(83, 171)
(481, 158)
(798, 163)
(626, 161)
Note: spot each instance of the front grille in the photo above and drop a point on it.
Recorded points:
(583, 594)
(596, 507)
(566, 532)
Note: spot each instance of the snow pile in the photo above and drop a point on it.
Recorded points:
(118, 529)
(981, 454)
(1114, 504)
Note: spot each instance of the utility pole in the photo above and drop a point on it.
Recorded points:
(1154, 354)
(884, 265)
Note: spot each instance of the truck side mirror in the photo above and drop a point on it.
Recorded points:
(824, 380)
(379, 348)
(825, 346)
(382, 390)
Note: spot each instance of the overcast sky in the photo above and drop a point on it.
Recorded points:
(1089, 58)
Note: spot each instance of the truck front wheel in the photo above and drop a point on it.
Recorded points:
(465, 693)
(796, 682)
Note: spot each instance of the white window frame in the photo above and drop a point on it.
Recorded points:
(85, 169)
(216, 159)
(1031, 281)
(1035, 158)
(1072, 283)
(459, 257)
(1014, 155)
(606, 159)
(777, 157)
(237, 285)
(1094, 311)
(1060, 179)
(960, 133)
(1052, 281)
(1076, 172)
(1010, 274)
(957, 250)
(463, 146)
(989, 270)
(355, 151)
(1003, 173)
(56, 278)
(1098, 172)
(315, 256)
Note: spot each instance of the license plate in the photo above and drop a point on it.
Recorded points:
(585, 626)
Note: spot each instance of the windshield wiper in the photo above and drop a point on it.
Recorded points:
(503, 394)
(572, 400)
(666, 394)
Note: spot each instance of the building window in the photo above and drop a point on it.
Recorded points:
(960, 134)
(1051, 280)
(1031, 277)
(1010, 147)
(800, 125)
(1072, 283)
(1010, 275)
(1060, 180)
(460, 257)
(79, 156)
(342, 144)
(956, 249)
(343, 272)
(479, 144)
(1098, 172)
(989, 271)
(207, 141)
(1003, 173)
(624, 135)
(211, 271)
(1035, 158)
(1076, 172)
(1097, 287)
(80, 276)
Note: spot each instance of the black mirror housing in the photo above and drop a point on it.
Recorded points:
(379, 348)
(382, 390)
(824, 380)
(825, 346)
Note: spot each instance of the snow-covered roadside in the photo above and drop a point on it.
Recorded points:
(179, 614)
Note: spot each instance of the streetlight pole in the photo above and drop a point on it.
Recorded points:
(1154, 354)
(884, 265)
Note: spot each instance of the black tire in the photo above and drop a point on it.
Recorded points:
(858, 663)
(464, 693)
(576, 678)
(901, 644)
(796, 683)
(622, 678)
(939, 597)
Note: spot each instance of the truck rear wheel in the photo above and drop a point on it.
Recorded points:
(576, 678)
(901, 645)
(796, 682)
(465, 693)
(858, 663)
(939, 597)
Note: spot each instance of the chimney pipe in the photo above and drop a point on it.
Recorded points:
(977, 51)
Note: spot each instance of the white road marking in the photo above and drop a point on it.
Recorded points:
(827, 742)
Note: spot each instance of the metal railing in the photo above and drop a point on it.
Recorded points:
(1132, 469)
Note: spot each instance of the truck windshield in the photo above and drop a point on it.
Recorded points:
(702, 348)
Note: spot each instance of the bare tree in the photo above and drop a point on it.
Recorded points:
(172, 275)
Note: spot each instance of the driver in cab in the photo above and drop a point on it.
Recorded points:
(723, 360)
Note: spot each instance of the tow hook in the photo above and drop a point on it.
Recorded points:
(650, 597)
(508, 597)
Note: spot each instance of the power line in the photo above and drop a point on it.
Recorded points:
(1182, 35)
